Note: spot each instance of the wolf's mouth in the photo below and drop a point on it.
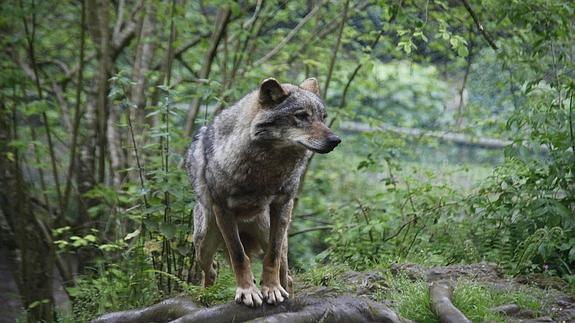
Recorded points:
(322, 150)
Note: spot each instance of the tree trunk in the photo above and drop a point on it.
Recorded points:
(142, 65)
(98, 24)
(35, 267)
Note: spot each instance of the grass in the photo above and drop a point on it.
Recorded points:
(409, 298)
(328, 276)
(476, 300)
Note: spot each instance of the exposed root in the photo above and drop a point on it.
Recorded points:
(303, 309)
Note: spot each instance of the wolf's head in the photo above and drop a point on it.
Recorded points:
(292, 115)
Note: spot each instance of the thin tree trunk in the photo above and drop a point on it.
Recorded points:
(35, 267)
(102, 39)
(142, 63)
(86, 170)
(113, 136)
(30, 32)
(222, 21)
(461, 105)
(77, 108)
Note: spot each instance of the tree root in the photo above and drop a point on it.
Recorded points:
(165, 311)
(440, 293)
(302, 309)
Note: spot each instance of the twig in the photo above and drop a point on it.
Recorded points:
(337, 43)
(289, 36)
(138, 163)
(479, 25)
(318, 228)
(366, 217)
(571, 123)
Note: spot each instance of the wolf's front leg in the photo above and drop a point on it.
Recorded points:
(272, 290)
(246, 291)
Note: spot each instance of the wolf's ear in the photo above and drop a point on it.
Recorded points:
(311, 85)
(272, 92)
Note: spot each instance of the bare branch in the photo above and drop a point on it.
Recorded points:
(290, 35)
(337, 43)
(120, 18)
(312, 229)
(321, 32)
(221, 24)
(479, 25)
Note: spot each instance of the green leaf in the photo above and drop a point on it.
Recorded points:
(462, 51)
(168, 230)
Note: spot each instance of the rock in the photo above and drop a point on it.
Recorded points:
(365, 283)
(540, 319)
(507, 309)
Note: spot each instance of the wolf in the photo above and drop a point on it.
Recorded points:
(245, 169)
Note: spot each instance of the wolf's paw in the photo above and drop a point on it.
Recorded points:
(274, 294)
(250, 296)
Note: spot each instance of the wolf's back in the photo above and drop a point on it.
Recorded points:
(196, 161)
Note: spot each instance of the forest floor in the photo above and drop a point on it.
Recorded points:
(397, 293)
(481, 292)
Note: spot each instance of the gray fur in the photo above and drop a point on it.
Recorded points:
(248, 164)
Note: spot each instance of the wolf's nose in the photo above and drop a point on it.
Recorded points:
(333, 140)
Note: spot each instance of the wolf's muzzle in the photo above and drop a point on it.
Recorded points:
(329, 144)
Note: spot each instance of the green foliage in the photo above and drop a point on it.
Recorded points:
(114, 287)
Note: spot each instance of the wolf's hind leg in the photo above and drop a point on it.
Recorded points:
(206, 240)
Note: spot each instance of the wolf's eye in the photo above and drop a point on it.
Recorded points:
(302, 116)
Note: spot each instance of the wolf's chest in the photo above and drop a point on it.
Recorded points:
(261, 180)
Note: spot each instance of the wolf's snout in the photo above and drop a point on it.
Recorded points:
(329, 144)
(333, 140)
